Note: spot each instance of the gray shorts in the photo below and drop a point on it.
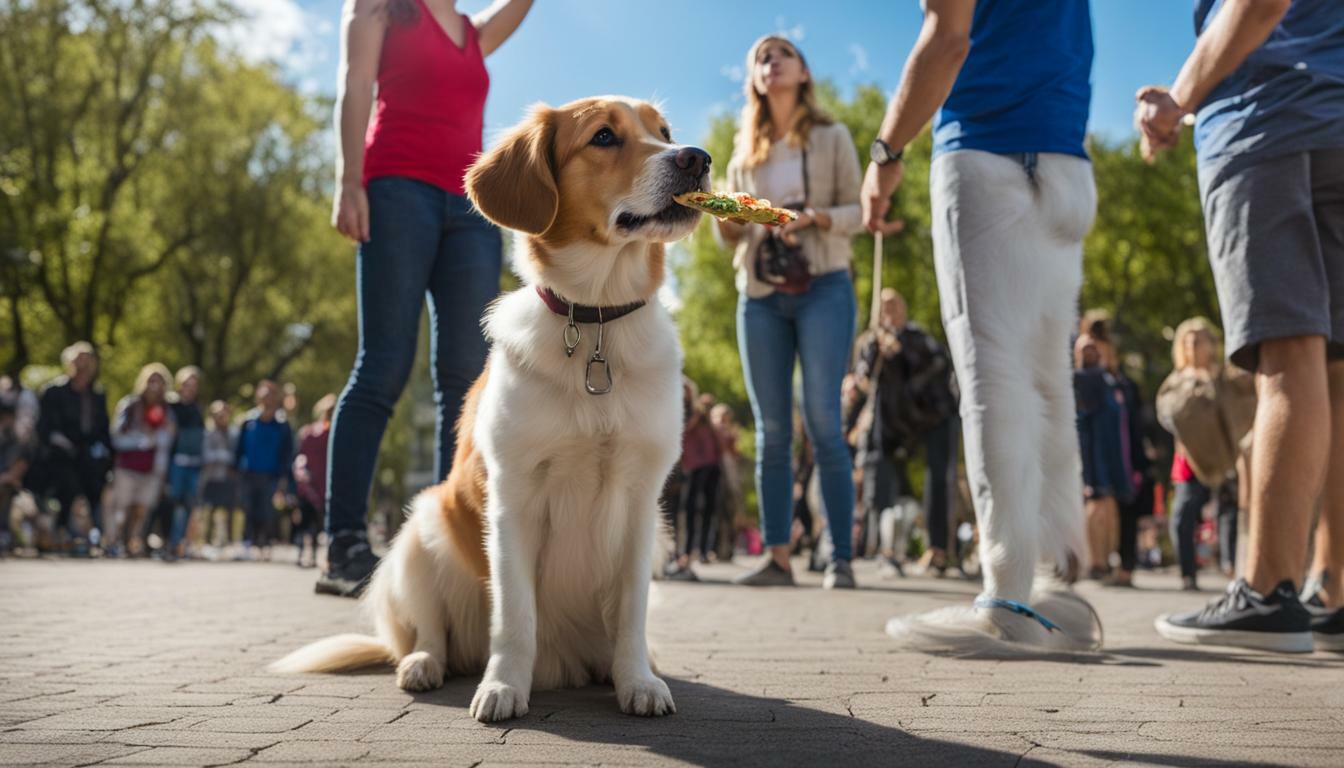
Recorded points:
(1276, 243)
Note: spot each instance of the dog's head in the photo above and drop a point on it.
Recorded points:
(600, 170)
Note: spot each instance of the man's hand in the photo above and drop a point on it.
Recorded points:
(879, 183)
(1157, 117)
(887, 343)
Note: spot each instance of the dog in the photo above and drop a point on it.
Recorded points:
(532, 562)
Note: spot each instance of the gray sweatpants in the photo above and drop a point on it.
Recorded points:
(1008, 247)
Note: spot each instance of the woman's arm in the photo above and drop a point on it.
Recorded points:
(845, 217)
(497, 23)
(363, 25)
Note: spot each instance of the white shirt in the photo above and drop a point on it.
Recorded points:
(780, 177)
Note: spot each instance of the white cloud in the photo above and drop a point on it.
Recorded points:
(282, 32)
(860, 55)
(796, 33)
(733, 72)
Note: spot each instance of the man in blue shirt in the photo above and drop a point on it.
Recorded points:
(1012, 198)
(263, 458)
(1266, 83)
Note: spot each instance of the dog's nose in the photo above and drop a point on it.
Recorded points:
(693, 160)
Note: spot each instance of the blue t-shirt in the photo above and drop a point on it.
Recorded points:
(264, 447)
(1288, 96)
(1026, 84)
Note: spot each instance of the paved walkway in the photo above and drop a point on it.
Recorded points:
(141, 663)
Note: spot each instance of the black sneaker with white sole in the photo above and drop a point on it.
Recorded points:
(350, 565)
(1327, 624)
(1244, 618)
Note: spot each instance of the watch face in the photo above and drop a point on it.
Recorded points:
(877, 152)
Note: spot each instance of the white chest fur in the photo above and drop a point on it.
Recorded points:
(535, 398)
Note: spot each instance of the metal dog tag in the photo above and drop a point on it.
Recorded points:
(571, 334)
(597, 359)
(605, 385)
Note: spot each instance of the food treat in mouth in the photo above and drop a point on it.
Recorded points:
(736, 206)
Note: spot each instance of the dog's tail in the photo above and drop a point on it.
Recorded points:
(340, 653)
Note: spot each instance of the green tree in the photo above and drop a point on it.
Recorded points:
(165, 200)
(91, 90)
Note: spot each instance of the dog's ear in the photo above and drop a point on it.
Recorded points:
(513, 184)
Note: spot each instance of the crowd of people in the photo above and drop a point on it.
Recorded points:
(163, 474)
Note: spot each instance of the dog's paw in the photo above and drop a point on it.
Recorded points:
(496, 701)
(646, 697)
(419, 671)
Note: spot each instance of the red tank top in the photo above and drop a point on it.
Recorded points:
(430, 113)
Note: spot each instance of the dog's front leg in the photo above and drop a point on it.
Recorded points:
(512, 543)
(638, 690)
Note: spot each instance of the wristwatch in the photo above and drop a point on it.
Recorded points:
(882, 153)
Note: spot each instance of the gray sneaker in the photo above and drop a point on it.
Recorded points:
(767, 574)
(839, 575)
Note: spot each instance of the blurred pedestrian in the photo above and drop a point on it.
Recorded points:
(74, 442)
(310, 479)
(264, 451)
(142, 436)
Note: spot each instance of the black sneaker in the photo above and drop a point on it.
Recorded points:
(1246, 619)
(676, 572)
(839, 575)
(350, 564)
(1327, 625)
(767, 574)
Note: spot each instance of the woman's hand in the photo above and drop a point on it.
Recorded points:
(788, 232)
(731, 231)
(350, 212)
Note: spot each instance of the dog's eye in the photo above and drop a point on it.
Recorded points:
(605, 138)
(667, 135)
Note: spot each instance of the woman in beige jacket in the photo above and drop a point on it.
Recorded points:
(796, 297)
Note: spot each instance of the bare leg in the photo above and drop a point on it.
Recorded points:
(1329, 557)
(1289, 460)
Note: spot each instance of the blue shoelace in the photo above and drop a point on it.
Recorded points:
(1021, 609)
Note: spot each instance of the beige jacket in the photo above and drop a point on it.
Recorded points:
(833, 178)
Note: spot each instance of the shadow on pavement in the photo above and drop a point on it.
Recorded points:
(1153, 657)
(1225, 655)
(718, 727)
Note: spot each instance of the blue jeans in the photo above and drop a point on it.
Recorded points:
(1187, 513)
(424, 244)
(816, 327)
(182, 486)
(257, 491)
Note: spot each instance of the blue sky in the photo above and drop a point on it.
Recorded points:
(687, 53)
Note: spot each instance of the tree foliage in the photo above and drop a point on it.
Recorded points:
(163, 199)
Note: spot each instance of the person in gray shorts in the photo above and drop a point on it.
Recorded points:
(1267, 79)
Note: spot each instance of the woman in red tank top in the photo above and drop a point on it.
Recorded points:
(400, 197)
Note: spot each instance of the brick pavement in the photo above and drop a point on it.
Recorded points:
(142, 663)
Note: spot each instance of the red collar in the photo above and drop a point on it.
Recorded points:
(583, 313)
